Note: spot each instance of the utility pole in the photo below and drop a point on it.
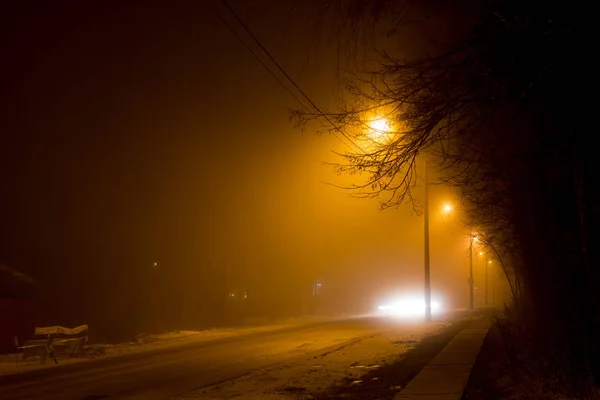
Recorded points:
(427, 269)
(156, 267)
(486, 279)
(471, 280)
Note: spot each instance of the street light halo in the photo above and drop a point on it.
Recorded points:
(378, 129)
(380, 126)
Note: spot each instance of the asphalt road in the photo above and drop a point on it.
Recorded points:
(164, 372)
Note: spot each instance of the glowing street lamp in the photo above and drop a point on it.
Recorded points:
(473, 238)
(486, 278)
(317, 288)
(471, 280)
(426, 246)
(487, 262)
(379, 127)
(378, 130)
(155, 267)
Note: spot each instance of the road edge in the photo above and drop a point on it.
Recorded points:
(446, 376)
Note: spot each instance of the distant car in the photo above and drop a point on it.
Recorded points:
(407, 307)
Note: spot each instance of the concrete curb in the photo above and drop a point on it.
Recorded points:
(446, 376)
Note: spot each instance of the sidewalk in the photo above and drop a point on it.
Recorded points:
(446, 376)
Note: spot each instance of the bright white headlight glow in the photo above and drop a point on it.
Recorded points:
(409, 307)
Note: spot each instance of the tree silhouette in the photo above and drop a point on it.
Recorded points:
(497, 113)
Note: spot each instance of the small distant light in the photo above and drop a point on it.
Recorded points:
(318, 284)
(448, 207)
(481, 253)
(489, 262)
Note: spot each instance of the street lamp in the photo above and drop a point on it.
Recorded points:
(481, 253)
(156, 267)
(379, 128)
(426, 246)
(473, 238)
(471, 280)
(317, 288)
(487, 262)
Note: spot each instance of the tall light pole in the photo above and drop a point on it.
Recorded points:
(378, 129)
(471, 280)
(427, 269)
(486, 279)
(156, 268)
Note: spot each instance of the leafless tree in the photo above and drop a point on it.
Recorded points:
(492, 112)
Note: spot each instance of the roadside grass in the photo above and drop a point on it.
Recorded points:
(507, 370)
(385, 382)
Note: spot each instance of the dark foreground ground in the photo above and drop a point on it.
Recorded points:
(494, 377)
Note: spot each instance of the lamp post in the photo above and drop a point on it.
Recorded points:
(378, 129)
(471, 280)
(487, 262)
(156, 268)
(426, 242)
(481, 253)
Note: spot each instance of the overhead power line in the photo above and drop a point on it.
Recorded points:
(312, 103)
(256, 57)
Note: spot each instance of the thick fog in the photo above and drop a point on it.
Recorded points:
(150, 172)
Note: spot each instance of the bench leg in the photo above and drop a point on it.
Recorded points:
(74, 350)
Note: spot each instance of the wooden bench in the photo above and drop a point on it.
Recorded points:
(55, 341)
